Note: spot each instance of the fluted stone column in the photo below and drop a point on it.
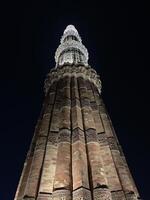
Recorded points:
(49, 164)
(62, 195)
(34, 173)
(98, 183)
(122, 171)
(44, 196)
(124, 176)
(27, 166)
(63, 180)
(81, 189)
(23, 179)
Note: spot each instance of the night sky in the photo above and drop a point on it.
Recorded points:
(116, 34)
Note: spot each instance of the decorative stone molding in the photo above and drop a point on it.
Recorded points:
(102, 138)
(64, 135)
(117, 195)
(91, 135)
(53, 138)
(94, 105)
(82, 194)
(102, 194)
(62, 195)
(78, 71)
(112, 143)
(40, 144)
(77, 135)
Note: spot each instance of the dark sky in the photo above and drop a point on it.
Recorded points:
(116, 34)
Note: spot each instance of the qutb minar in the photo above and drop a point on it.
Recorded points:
(74, 153)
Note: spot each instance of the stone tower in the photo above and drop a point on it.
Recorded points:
(74, 153)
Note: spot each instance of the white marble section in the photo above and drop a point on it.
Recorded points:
(71, 50)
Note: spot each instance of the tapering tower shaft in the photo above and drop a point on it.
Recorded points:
(74, 154)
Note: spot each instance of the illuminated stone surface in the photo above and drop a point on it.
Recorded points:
(71, 50)
(74, 153)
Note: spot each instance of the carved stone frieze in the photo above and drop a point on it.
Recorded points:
(102, 138)
(77, 135)
(88, 85)
(118, 195)
(85, 102)
(75, 102)
(79, 71)
(62, 195)
(82, 194)
(66, 102)
(91, 135)
(64, 135)
(102, 194)
(52, 138)
(40, 144)
(94, 105)
(112, 143)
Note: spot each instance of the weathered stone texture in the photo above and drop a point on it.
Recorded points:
(82, 194)
(23, 179)
(44, 196)
(75, 153)
(110, 169)
(34, 174)
(106, 123)
(44, 126)
(102, 138)
(88, 118)
(98, 122)
(91, 135)
(74, 88)
(102, 194)
(49, 167)
(62, 195)
(55, 120)
(96, 166)
(131, 196)
(52, 138)
(65, 117)
(118, 195)
(63, 167)
(52, 97)
(78, 135)
(79, 165)
(122, 172)
(129, 173)
(76, 118)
